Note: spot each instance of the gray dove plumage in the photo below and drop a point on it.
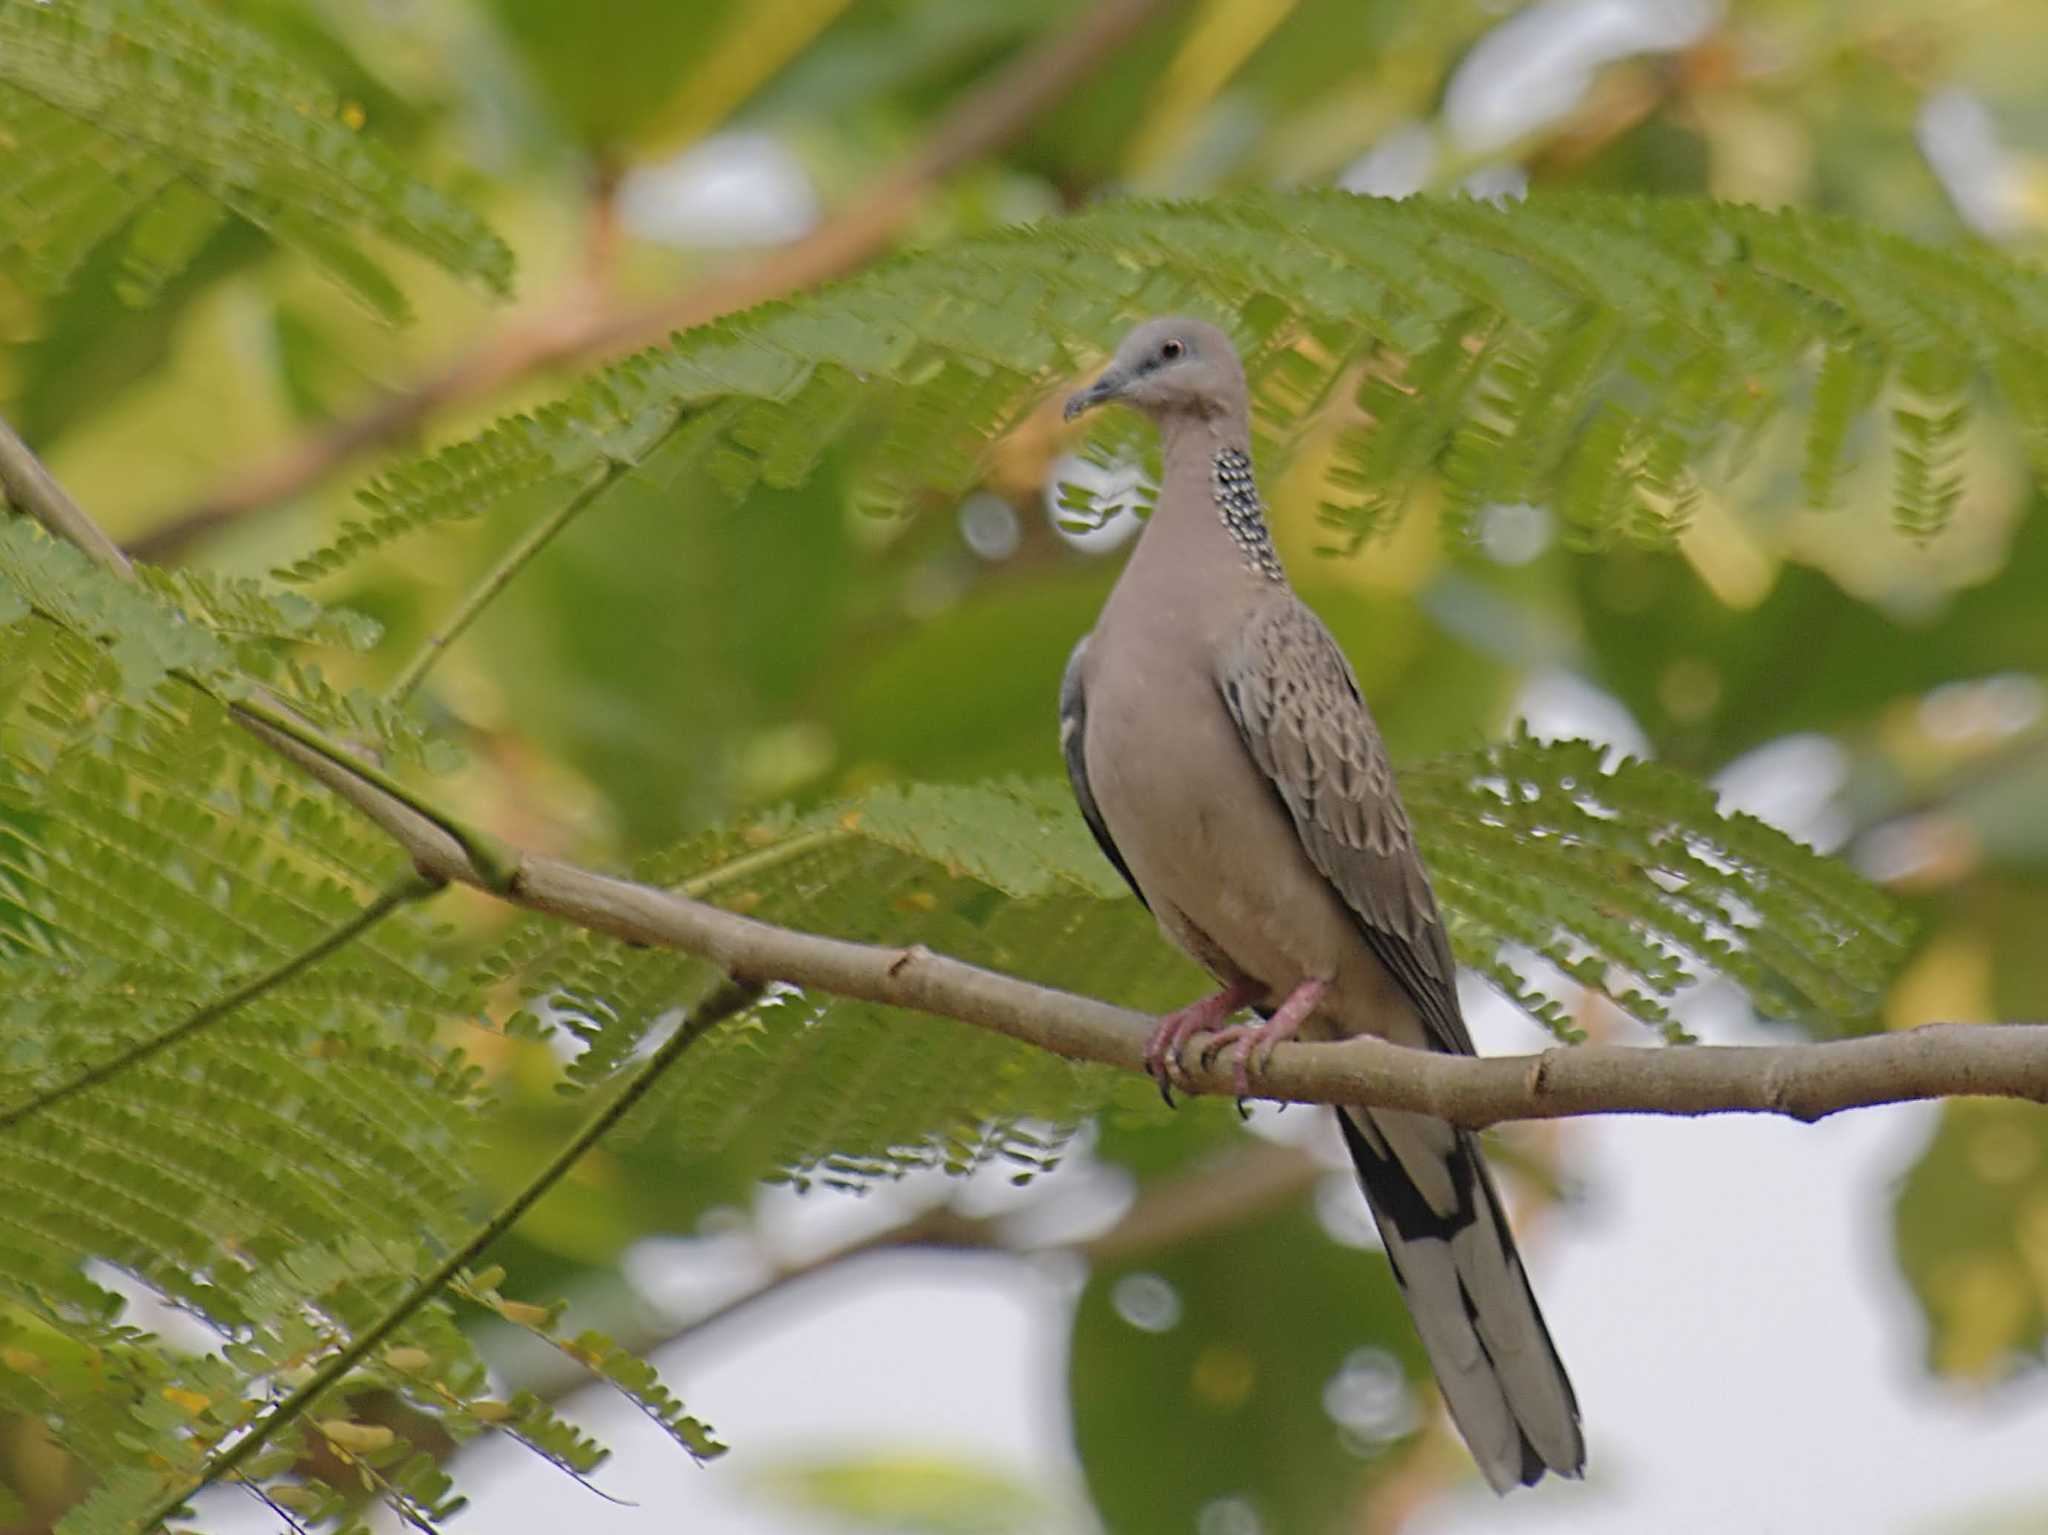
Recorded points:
(1226, 762)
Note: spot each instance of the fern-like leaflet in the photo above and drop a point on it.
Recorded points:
(151, 121)
(1607, 356)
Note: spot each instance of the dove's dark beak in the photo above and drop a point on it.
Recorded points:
(1105, 388)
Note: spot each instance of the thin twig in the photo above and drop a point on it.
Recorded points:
(31, 490)
(494, 581)
(984, 121)
(409, 889)
(492, 861)
(722, 1004)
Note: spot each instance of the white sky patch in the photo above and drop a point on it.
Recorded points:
(1147, 1302)
(989, 526)
(1988, 708)
(1397, 166)
(731, 189)
(1533, 68)
(1341, 1211)
(687, 1276)
(1117, 485)
(959, 1357)
(1369, 1397)
(1558, 705)
(1514, 532)
(1228, 1516)
(1506, 182)
(1082, 1199)
(1982, 178)
(1900, 850)
(1300, 1126)
(1744, 1351)
(179, 1328)
(1498, 1027)
(1792, 784)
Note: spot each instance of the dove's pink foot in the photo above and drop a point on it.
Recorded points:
(1162, 1050)
(1251, 1044)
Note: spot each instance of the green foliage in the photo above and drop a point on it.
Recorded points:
(723, 631)
(281, 1174)
(910, 1495)
(1607, 356)
(150, 121)
(153, 855)
(1254, 1404)
(146, 639)
(658, 73)
(240, 608)
(633, 1377)
(1629, 880)
(730, 630)
(1971, 1224)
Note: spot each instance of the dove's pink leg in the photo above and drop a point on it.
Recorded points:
(1162, 1050)
(1251, 1044)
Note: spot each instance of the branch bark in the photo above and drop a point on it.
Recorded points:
(577, 327)
(1805, 1082)
(32, 489)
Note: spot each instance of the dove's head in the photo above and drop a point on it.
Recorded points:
(1167, 368)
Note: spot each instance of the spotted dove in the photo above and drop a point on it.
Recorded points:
(1226, 762)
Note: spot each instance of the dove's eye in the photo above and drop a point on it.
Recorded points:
(1171, 350)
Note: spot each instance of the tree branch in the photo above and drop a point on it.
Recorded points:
(31, 490)
(492, 862)
(1803, 1082)
(576, 327)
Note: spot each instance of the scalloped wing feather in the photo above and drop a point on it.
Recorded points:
(1298, 707)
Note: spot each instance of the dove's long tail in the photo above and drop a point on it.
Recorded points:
(1447, 1238)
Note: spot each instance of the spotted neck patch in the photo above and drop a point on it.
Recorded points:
(1237, 498)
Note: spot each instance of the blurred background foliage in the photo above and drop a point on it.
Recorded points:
(213, 356)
